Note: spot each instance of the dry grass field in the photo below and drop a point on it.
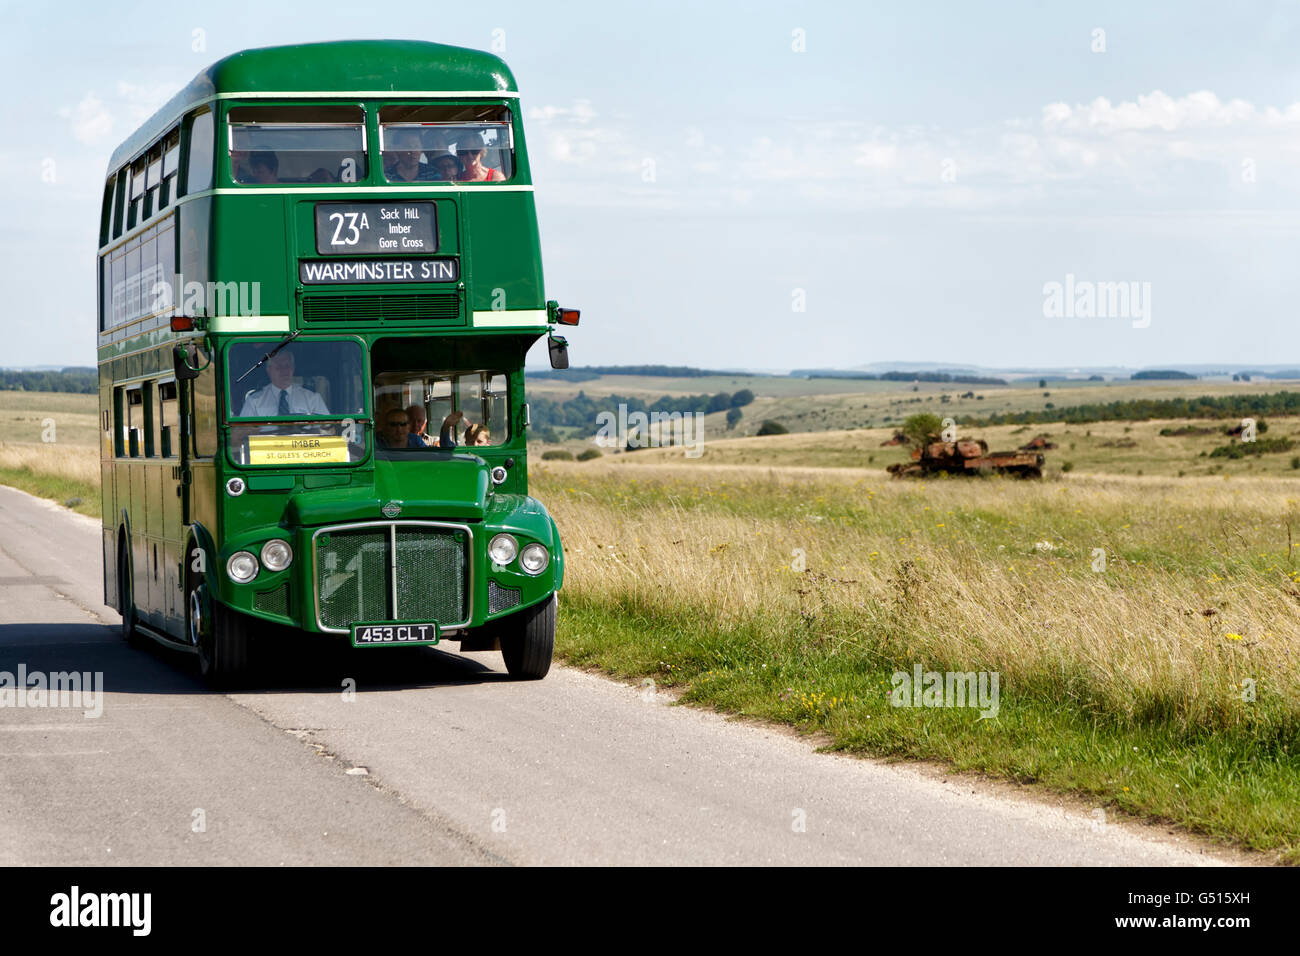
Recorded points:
(49, 446)
(1162, 679)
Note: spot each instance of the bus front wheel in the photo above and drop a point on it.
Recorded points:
(528, 641)
(222, 640)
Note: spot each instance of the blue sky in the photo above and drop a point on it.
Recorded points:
(914, 175)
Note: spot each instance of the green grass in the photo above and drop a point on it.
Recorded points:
(1240, 786)
(55, 488)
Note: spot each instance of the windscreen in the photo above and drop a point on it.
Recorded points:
(306, 399)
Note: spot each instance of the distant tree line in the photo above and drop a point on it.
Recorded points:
(1206, 406)
(78, 379)
(1157, 373)
(547, 414)
(586, 373)
(898, 376)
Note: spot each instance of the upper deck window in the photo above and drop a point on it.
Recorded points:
(445, 143)
(199, 174)
(297, 144)
(170, 166)
(137, 194)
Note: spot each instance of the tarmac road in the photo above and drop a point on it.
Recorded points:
(439, 758)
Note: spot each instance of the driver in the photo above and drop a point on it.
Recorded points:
(282, 396)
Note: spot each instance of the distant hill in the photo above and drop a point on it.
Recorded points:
(899, 376)
(585, 373)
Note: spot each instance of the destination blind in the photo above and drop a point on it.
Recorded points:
(333, 271)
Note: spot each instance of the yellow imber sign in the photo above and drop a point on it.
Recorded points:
(296, 449)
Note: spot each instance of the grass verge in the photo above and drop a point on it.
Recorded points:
(80, 496)
(1160, 681)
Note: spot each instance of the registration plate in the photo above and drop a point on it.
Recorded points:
(394, 635)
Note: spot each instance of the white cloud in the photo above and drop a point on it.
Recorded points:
(1156, 150)
(93, 120)
(90, 120)
(1155, 110)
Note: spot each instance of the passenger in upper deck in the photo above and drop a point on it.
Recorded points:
(239, 171)
(264, 167)
(405, 149)
(470, 150)
(446, 168)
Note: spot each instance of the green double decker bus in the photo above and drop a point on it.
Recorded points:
(319, 275)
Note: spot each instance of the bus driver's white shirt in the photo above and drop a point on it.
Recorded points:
(266, 402)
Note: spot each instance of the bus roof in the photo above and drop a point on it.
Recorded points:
(341, 66)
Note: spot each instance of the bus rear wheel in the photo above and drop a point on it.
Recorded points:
(222, 640)
(528, 641)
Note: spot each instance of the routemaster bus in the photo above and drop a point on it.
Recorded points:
(319, 275)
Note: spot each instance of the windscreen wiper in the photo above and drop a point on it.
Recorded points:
(269, 355)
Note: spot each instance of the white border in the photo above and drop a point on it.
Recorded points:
(249, 323)
(509, 318)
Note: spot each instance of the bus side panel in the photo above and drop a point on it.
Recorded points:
(203, 499)
(139, 536)
(107, 424)
(171, 577)
(109, 511)
(153, 486)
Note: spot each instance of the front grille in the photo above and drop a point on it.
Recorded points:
(392, 572)
(499, 598)
(274, 601)
(440, 307)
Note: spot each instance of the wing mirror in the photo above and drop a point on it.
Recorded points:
(559, 349)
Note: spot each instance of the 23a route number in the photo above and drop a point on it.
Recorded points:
(353, 222)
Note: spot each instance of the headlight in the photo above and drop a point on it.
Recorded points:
(242, 567)
(276, 554)
(502, 549)
(534, 559)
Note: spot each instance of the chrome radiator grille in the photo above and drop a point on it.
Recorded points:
(392, 571)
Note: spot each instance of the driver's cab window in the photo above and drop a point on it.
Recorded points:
(419, 410)
(303, 400)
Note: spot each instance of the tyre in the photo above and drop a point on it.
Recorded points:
(528, 641)
(223, 641)
(126, 597)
